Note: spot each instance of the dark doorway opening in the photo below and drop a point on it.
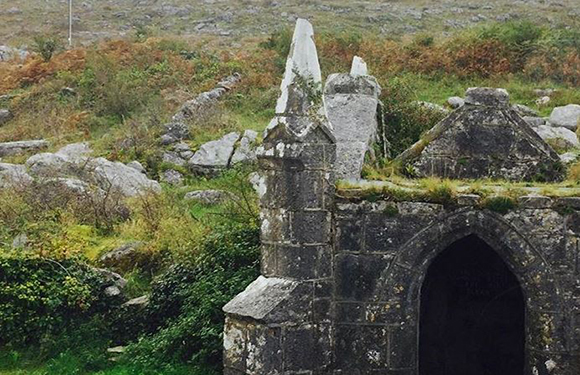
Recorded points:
(472, 318)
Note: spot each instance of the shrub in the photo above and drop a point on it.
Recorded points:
(184, 319)
(43, 297)
(46, 46)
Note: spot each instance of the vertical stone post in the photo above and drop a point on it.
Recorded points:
(352, 103)
(281, 323)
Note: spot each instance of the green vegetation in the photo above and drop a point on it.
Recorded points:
(194, 258)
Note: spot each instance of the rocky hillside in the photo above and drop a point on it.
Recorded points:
(232, 19)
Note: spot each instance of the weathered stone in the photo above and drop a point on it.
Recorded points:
(567, 116)
(534, 121)
(486, 96)
(172, 177)
(535, 201)
(13, 175)
(208, 197)
(483, 139)
(568, 157)
(559, 138)
(245, 150)
(138, 303)
(5, 115)
(524, 110)
(455, 102)
(123, 257)
(136, 166)
(75, 150)
(215, 155)
(176, 130)
(174, 158)
(358, 67)
(302, 62)
(431, 107)
(21, 147)
(351, 104)
(105, 174)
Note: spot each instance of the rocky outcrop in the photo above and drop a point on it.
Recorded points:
(178, 129)
(231, 149)
(21, 147)
(485, 138)
(215, 155)
(71, 161)
(123, 257)
(13, 175)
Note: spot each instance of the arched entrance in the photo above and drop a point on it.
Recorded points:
(472, 313)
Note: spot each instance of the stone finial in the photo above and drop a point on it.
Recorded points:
(359, 67)
(302, 64)
(487, 96)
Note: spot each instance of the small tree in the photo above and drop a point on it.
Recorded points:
(46, 46)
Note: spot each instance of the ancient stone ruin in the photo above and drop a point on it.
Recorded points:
(404, 284)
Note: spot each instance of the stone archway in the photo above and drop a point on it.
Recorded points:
(472, 313)
(403, 280)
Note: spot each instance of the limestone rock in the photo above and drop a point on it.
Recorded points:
(172, 177)
(71, 162)
(176, 130)
(126, 180)
(5, 115)
(173, 158)
(20, 147)
(524, 110)
(263, 299)
(568, 157)
(534, 121)
(136, 166)
(351, 106)
(207, 197)
(567, 116)
(483, 139)
(215, 155)
(302, 61)
(543, 100)
(432, 107)
(122, 257)
(137, 303)
(359, 67)
(245, 152)
(487, 96)
(75, 150)
(560, 138)
(13, 175)
(455, 102)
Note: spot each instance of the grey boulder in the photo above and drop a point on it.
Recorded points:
(5, 115)
(13, 175)
(455, 102)
(245, 152)
(560, 138)
(567, 116)
(207, 197)
(20, 147)
(215, 155)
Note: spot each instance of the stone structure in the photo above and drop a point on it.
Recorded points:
(352, 104)
(484, 138)
(403, 284)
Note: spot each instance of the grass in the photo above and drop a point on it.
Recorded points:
(125, 90)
